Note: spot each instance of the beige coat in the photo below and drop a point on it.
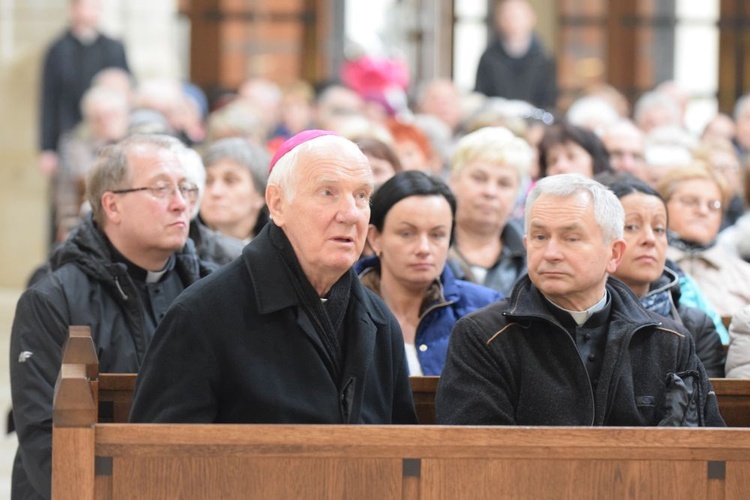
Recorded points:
(738, 355)
(723, 278)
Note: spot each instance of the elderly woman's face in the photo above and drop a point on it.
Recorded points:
(569, 158)
(413, 246)
(646, 237)
(695, 211)
(485, 195)
(231, 203)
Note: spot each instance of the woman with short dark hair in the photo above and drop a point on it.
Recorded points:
(569, 149)
(411, 222)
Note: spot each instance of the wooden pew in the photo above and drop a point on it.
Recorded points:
(111, 460)
(116, 395)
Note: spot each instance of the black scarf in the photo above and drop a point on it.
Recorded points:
(327, 318)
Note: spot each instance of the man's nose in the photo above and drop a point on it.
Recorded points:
(348, 212)
(552, 250)
(178, 201)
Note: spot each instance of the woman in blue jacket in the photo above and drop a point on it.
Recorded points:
(411, 223)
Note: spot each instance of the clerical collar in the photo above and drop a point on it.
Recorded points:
(580, 317)
(138, 273)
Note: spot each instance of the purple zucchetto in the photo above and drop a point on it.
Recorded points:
(296, 140)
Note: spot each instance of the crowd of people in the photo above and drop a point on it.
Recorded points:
(309, 248)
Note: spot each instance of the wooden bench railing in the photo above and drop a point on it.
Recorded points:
(116, 395)
(114, 460)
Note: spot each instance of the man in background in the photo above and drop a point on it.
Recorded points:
(515, 65)
(69, 66)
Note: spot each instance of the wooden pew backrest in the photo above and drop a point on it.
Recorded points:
(116, 395)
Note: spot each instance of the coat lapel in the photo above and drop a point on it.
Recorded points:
(360, 345)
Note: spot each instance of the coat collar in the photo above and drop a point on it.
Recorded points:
(273, 287)
(527, 300)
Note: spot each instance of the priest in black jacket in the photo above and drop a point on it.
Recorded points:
(286, 333)
(571, 345)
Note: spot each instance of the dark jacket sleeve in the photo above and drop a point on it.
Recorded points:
(708, 345)
(120, 60)
(484, 81)
(707, 403)
(548, 97)
(472, 389)
(49, 120)
(177, 382)
(39, 331)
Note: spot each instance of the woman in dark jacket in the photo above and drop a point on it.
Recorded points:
(643, 269)
(411, 222)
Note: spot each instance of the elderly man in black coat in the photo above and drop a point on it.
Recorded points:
(570, 345)
(286, 333)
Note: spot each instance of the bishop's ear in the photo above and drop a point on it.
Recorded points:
(275, 203)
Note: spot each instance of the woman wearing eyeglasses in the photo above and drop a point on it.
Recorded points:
(696, 197)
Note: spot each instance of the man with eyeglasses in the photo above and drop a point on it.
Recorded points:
(117, 272)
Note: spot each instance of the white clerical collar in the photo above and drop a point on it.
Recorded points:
(155, 276)
(580, 317)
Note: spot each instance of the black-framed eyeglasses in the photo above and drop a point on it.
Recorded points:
(163, 191)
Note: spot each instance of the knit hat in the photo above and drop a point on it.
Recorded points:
(296, 140)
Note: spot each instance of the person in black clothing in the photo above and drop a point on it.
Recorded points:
(515, 65)
(572, 345)
(117, 272)
(69, 66)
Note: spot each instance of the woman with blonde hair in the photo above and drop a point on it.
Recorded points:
(488, 168)
(696, 198)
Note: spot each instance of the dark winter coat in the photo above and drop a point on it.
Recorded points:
(513, 363)
(85, 287)
(239, 348)
(453, 299)
(531, 77)
(69, 66)
(664, 299)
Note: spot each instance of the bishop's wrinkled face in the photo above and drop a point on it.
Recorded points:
(327, 217)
